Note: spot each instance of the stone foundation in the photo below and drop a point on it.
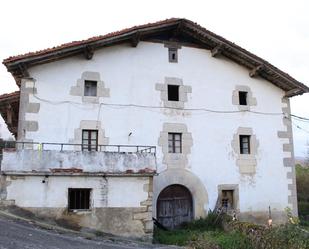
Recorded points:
(116, 221)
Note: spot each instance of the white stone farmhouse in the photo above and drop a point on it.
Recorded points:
(164, 120)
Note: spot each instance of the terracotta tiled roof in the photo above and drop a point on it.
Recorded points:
(18, 65)
(92, 39)
(9, 95)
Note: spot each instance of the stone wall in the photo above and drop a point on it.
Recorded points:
(118, 205)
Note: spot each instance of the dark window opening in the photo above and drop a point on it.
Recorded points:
(90, 88)
(90, 140)
(79, 198)
(174, 143)
(243, 98)
(173, 92)
(172, 55)
(227, 200)
(244, 142)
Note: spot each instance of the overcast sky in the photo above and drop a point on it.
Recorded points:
(276, 30)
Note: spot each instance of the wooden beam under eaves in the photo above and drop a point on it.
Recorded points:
(9, 114)
(177, 30)
(255, 71)
(88, 52)
(23, 70)
(135, 39)
(216, 50)
(293, 92)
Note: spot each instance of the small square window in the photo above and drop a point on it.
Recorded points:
(174, 142)
(90, 88)
(173, 55)
(227, 200)
(243, 98)
(79, 198)
(244, 142)
(173, 92)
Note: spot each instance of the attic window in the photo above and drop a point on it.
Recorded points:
(173, 92)
(242, 98)
(90, 88)
(172, 55)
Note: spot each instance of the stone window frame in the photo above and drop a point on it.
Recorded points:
(235, 189)
(246, 162)
(79, 88)
(251, 101)
(183, 92)
(89, 125)
(175, 160)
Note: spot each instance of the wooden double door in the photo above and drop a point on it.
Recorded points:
(174, 206)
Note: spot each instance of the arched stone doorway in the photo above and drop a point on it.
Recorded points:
(190, 181)
(174, 206)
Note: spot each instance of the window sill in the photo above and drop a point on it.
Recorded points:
(91, 99)
(244, 107)
(80, 211)
(174, 104)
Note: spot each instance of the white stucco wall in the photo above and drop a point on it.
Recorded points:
(105, 192)
(131, 75)
(90, 162)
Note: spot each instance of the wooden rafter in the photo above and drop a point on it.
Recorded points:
(217, 50)
(135, 39)
(292, 92)
(176, 28)
(88, 52)
(255, 71)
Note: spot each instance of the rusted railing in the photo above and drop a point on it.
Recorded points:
(20, 145)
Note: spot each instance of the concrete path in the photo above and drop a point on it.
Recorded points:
(19, 234)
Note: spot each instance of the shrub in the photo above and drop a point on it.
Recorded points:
(212, 221)
(302, 182)
(232, 240)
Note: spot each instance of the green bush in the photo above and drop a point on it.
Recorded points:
(288, 236)
(303, 208)
(232, 240)
(284, 237)
(302, 182)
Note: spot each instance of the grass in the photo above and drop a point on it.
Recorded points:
(203, 239)
(204, 233)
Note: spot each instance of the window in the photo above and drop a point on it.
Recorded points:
(174, 142)
(173, 92)
(79, 198)
(227, 201)
(244, 142)
(90, 140)
(172, 55)
(242, 98)
(90, 88)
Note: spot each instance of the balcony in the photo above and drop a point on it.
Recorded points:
(29, 158)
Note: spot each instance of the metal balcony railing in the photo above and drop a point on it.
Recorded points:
(21, 145)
